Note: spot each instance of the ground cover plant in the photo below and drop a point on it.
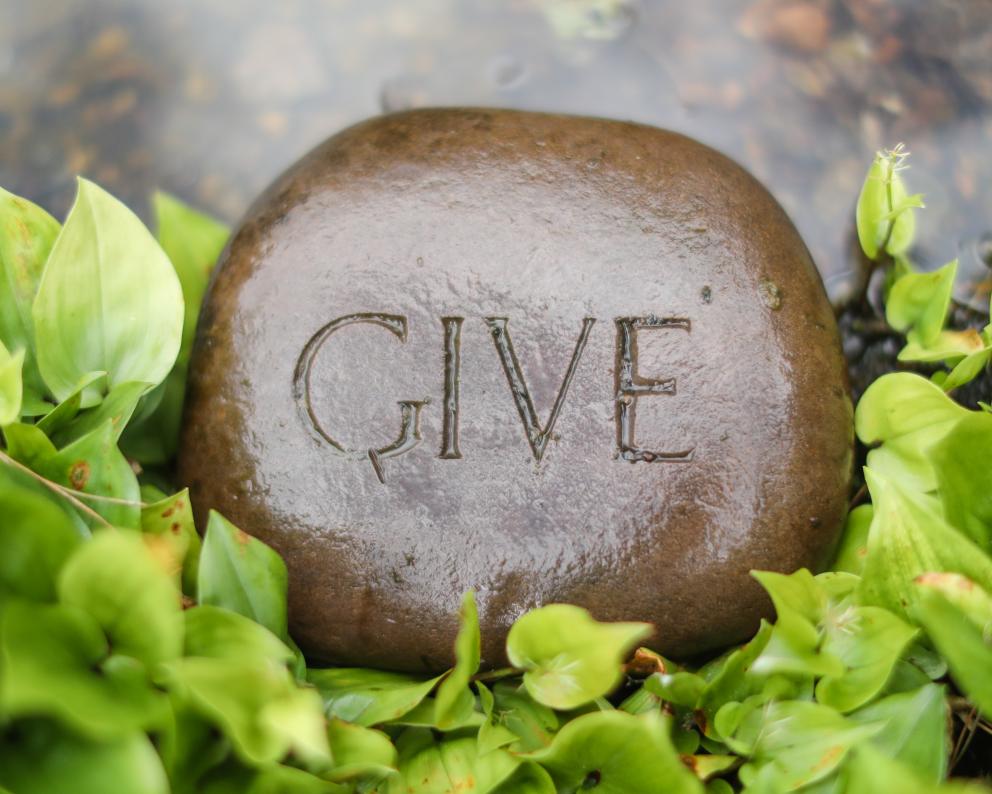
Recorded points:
(141, 654)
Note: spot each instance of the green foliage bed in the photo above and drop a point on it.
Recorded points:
(137, 658)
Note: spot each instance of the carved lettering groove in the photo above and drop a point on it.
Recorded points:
(630, 386)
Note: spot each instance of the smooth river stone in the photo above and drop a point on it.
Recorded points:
(522, 285)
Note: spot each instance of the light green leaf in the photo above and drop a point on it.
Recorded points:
(529, 778)
(11, 385)
(27, 233)
(446, 766)
(255, 703)
(617, 753)
(681, 688)
(907, 415)
(570, 659)
(915, 731)
(91, 386)
(94, 465)
(108, 299)
(853, 546)
(36, 538)
(117, 408)
(907, 538)
(454, 698)
(492, 733)
(360, 753)
(870, 772)
(42, 759)
(884, 212)
(171, 520)
(965, 643)
(369, 697)
(116, 580)
(964, 477)
(804, 742)
(221, 634)
(56, 662)
(918, 303)
(868, 641)
(240, 573)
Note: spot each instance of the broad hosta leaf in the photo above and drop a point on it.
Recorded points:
(369, 697)
(446, 766)
(360, 753)
(27, 233)
(11, 385)
(36, 538)
(964, 477)
(94, 465)
(906, 539)
(803, 742)
(43, 759)
(617, 753)
(116, 580)
(454, 698)
(170, 518)
(570, 658)
(907, 415)
(108, 299)
(240, 573)
(915, 731)
(55, 662)
(964, 642)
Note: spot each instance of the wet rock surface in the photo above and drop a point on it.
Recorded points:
(545, 357)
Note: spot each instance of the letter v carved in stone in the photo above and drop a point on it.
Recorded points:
(537, 436)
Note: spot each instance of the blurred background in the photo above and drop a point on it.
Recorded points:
(210, 99)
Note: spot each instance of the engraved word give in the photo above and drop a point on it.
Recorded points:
(629, 387)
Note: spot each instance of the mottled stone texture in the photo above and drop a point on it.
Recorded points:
(490, 269)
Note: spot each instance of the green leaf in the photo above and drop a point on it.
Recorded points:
(108, 299)
(193, 242)
(454, 698)
(492, 733)
(803, 742)
(870, 772)
(11, 385)
(171, 520)
(908, 538)
(529, 778)
(918, 303)
(91, 386)
(729, 679)
(853, 546)
(681, 688)
(27, 233)
(221, 634)
(965, 643)
(94, 465)
(40, 759)
(117, 408)
(964, 478)
(123, 587)
(255, 703)
(915, 731)
(240, 573)
(56, 662)
(570, 658)
(446, 766)
(868, 641)
(907, 415)
(36, 538)
(884, 212)
(360, 753)
(617, 753)
(369, 697)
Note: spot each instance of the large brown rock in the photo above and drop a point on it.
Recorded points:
(522, 285)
